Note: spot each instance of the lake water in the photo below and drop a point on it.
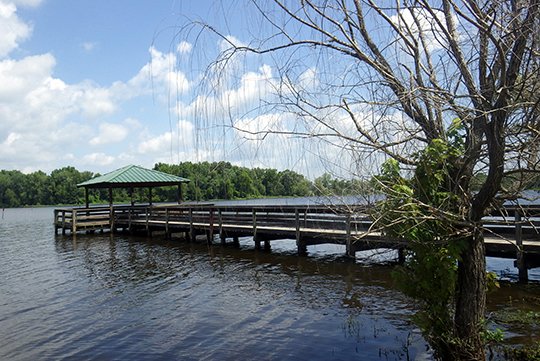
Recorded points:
(104, 297)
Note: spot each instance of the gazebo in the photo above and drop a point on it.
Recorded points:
(131, 177)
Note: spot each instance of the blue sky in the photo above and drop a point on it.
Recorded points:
(100, 84)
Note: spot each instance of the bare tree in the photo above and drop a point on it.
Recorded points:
(390, 77)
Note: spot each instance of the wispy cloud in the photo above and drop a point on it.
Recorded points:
(89, 46)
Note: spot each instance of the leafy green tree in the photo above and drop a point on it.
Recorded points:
(221, 180)
(323, 185)
(209, 181)
(35, 189)
(63, 185)
(294, 184)
(430, 273)
(271, 182)
(244, 184)
(12, 188)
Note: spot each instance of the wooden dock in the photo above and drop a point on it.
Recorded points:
(510, 235)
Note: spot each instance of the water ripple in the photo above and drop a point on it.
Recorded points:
(116, 297)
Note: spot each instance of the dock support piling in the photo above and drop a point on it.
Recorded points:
(167, 231)
(401, 256)
(221, 233)
(300, 245)
(257, 242)
(147, 215)
(255, 238)
(302, 248)
(348, 241)
(74, 221)
(130, 216)
(210, 236)
(523, 275)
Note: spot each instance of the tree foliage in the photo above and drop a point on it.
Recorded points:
(422, 210)
(209, 181)
(37, 188)
(222, 180)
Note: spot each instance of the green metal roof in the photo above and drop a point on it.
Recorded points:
(133, 176)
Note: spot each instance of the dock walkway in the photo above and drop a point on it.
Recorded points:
(510, 235)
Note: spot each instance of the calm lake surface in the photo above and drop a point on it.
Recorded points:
(104, 297)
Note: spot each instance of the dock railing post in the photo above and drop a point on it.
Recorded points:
(147, 214)
(520, 257)
(300, 246)
(74, 221)
(297, 224)
(255, 238)
(55, 221)
(63, 221)
(112, 220)
(348, 244)
(167, 223)
(221, 233)
(191, 230)
(130, 215)
(210, 236)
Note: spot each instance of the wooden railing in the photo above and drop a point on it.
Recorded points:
(252, 218)
(76, 219)
(350, 219)
(348, 225)
(517, 221)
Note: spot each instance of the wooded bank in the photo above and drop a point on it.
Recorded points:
(217, 180)
(209, 181)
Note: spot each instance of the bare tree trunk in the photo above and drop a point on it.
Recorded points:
(471, 299)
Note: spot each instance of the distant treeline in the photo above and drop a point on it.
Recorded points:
(209, 181)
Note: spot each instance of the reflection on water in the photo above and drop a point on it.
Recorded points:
(122, 297)
(247, 302)
(119, 297)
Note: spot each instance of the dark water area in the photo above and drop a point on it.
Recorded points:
(105, 297)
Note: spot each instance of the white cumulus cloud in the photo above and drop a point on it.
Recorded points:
(180, 137)
(29, 3)
(417, 21)
(95, 101)
(159, 75)
(157, 144)
(109, 133)
(12, 29)
(97, 159)
(20, 77)
(184, 47)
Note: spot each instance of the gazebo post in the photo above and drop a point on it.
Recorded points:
(132, 177)
(86, 202)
